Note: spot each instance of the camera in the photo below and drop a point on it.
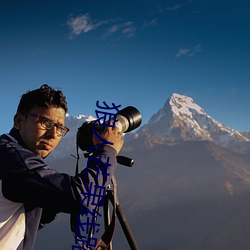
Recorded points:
(127, 120)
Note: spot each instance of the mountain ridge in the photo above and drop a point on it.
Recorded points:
(182, 119)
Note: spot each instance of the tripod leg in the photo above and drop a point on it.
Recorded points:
(125, 226)
(106, 214)
(112, 197)
(126, 229)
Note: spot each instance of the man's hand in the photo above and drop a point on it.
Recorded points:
(113, 135)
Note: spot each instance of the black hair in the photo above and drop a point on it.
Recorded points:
(45, 96)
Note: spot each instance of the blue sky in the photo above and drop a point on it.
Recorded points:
(129, 53)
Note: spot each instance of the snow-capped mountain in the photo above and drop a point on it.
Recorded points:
(182, 119)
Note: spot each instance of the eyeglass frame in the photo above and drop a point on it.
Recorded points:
(41, 118)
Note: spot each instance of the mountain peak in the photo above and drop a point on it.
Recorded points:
(182, 119)
(182, 104)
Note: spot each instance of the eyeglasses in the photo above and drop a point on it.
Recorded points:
(49, 124)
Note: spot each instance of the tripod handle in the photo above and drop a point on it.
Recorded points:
(123, 160)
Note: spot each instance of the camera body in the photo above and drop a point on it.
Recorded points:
(127, 120)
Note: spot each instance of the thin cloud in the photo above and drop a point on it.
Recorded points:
(174, 7)
(127, 29)
(197, 49)
(83, 24)
(189, 52)
(150, 23)
(182, 52)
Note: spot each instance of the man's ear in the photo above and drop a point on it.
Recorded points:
(18, 119)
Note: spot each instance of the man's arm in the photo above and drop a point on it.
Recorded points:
(35, 184)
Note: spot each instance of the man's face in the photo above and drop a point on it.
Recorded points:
(35, 137)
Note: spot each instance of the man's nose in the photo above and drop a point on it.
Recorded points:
(52, 132)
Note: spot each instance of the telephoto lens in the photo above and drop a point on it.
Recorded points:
(127, 120)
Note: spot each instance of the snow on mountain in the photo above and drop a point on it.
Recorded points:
(182, 119)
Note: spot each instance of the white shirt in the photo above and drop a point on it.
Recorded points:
(12, 223)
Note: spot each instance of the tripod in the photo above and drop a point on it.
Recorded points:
(111, 195)
(105, 242)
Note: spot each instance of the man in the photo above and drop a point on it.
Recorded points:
(29, 189)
